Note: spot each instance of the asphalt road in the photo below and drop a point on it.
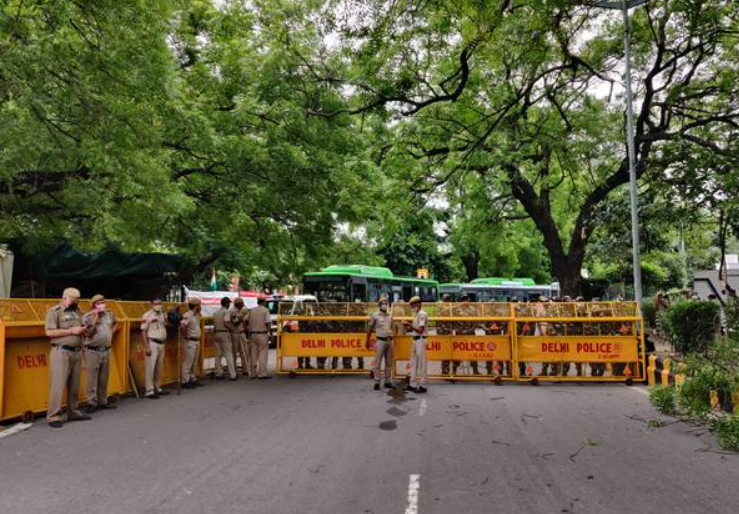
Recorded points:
(332, 445)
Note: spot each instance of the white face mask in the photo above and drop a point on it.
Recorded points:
(383, 307)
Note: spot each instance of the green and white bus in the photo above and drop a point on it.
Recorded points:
(356, 283)
(496, 289)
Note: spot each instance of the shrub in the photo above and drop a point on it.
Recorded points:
(691, 325)
(702, 377)
(663, 399)
(727, 432)
(649, 312)
(694, 399)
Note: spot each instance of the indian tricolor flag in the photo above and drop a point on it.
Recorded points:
(213, 281)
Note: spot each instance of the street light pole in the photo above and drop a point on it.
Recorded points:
(624, 7)
(632, 160)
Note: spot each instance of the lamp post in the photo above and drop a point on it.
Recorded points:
(624, 7)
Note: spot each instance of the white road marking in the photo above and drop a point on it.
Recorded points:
(20, 427)
(422, 407)
(414, 484)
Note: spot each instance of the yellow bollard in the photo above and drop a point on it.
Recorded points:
(680, 375)
(652, 371)
(714, 400)
(666, 372)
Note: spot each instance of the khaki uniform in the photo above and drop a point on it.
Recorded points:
(382, 324)
(259, 324)
(542, 328)
(192, 346)
(154, 325)
(97, 356)
(224, 346)
(418, 351)
(65, 363)
(465, 310)
(238, 339)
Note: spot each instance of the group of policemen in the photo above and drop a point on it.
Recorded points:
(76, 338)
(381, 323)
(239, 333)
(232, 324)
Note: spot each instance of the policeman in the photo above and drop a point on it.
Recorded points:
(542, 328)
(381, 323)
(565, 313)
(65, 328)
(222, 339)
(419, 331)
(235, 323)
(259, 324)
(154, 337)
(445, 328)
(100, 326)
(466, 310)
(191, 333)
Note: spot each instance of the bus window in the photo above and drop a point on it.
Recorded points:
(376, 291)
(359, 292)
(407, 292)
(428, 294)
(328, 291)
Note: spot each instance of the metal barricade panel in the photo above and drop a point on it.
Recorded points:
(600, 341)
(472, 332)
(553, 341)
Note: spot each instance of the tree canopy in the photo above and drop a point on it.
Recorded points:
(272, 137)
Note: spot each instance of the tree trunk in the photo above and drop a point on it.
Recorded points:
(471, 263)
(567, 269)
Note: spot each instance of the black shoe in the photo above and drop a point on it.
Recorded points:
(420, 390)
(81, 417)
(56, 424)
(90, 409)
(376, 387)
(108, 406)
(163, 393)
(410, 389)
(154, 396)
(265, 378)
(389, 385)
(220, 378)
(198, 383)
(234, 379)
(188, 385)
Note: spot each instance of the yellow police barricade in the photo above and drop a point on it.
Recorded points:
(467, 341)
(601, 341)
(209, 353)
(323, 338)
(134, 311)
(25, 357)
